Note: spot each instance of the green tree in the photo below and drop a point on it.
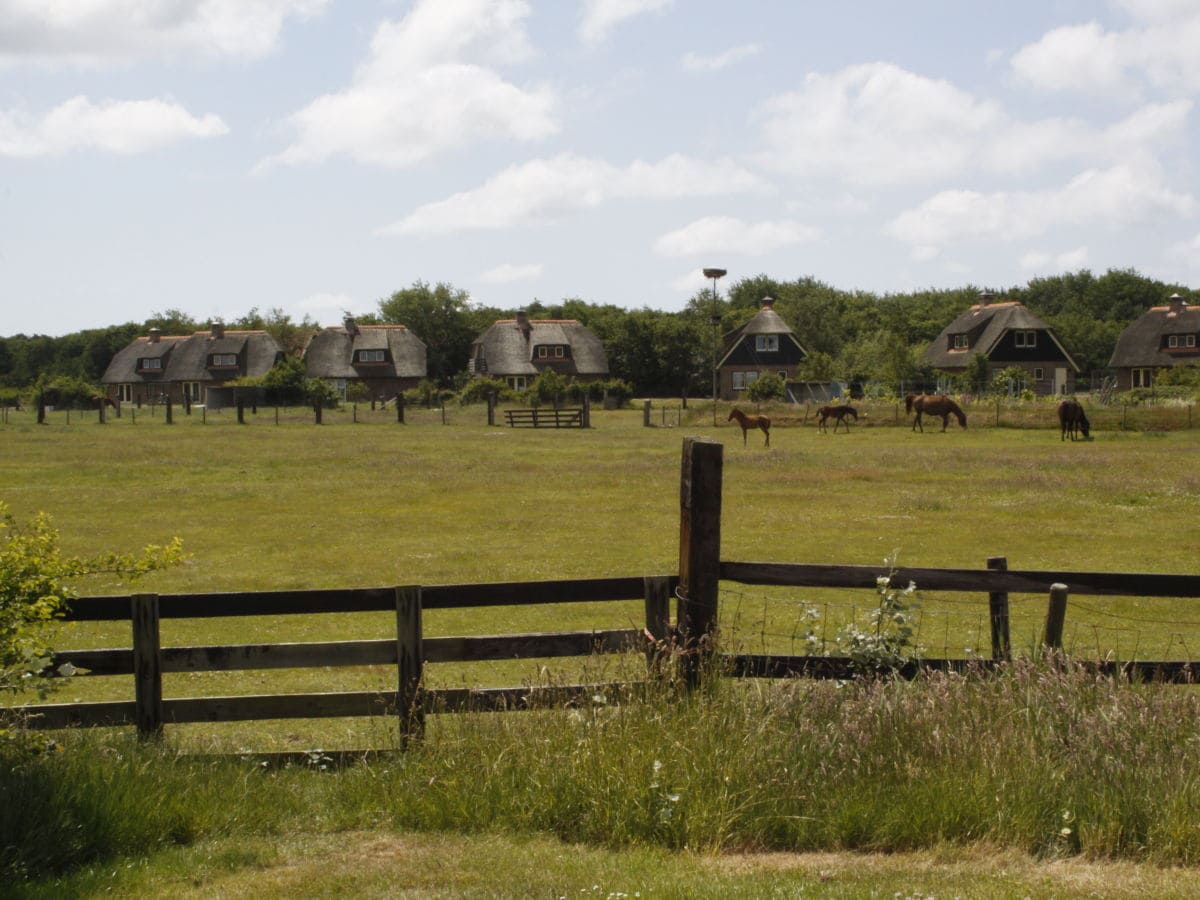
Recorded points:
(34, 576)
(768, 386)
(437, 315)
(286, 382)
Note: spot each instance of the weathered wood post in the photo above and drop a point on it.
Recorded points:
(699, 552)
(656, 590)
(187, 403)
(645, 413)
(998, 609)
(317, 411)
(1056, 616)
(147, 665)
(354, 412)
(409, 663)
(400, 408)
(587, 410)
(241, 408)
(41, 409)
(491, 409)
(443, 399)
(170, 417)
(103, 417)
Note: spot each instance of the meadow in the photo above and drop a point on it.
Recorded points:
(263, 506)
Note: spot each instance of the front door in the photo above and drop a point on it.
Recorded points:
(1060, 380)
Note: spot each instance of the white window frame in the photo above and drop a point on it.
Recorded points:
(961, 342)
(516, 382)
(148, 363)
(1173, 341)
(219, 360)
(1189, 340)
(766, 343)
(558, 353)
(192, 390)
(1026, 339)
(125, 393)
(372, 356)
(1038, 373)
(543, 351)
(1141, 378)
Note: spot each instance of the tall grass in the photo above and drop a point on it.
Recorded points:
(1041, 758)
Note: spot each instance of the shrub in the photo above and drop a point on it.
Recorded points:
(768, 386)
(478, 390)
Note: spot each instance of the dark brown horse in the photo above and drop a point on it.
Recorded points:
(934, 405)
(751, 421)
(1073, 420)
(838, 414)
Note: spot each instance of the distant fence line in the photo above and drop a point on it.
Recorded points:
(688, 640)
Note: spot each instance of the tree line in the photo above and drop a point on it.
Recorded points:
(849, 335)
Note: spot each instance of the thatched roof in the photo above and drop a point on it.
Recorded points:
(1144, 343)
(186, 357)
(332, 352)
(509, 347)
(765, 321)
(985, 324)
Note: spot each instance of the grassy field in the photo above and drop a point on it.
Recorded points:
(265, 506)
(371, 502)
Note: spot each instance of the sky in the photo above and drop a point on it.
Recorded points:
(215, 156)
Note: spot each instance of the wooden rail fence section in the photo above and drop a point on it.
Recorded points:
(695, 589)
(542, 417)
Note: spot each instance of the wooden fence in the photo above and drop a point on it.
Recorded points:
(689, 639)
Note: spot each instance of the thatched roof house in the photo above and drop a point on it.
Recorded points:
(155, 367)
(386, 359)
(1008, 335)
(764, 344)
(1160, 338)
(518, 350)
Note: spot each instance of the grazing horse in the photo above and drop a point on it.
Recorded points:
(935, 405)
(838, 414)
(751, 421)
(1072, 419)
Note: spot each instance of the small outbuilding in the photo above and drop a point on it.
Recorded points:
(1160, 338)
(517, 350)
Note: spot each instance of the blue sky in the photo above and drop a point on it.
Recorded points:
(316, 155)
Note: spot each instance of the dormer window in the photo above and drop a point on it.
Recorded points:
(546, 351)
(766, 343)
(1025, 338)
(961, 342)
(223, 361)
(1172, 341)
(150, 364)
(371, 356)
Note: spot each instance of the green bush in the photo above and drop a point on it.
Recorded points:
(478, 390)
(768, 386)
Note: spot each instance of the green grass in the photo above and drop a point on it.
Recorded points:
(264, 507)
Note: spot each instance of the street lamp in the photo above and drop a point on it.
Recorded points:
(714, 274)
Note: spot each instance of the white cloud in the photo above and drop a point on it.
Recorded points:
(1089, 59)
(1109, 197)
(548, 189)
(725, 234)
(600, 17)
(91, 32)
(423, 90)
(509, 273)
(695, 62)
(123, 127)
(1041, 261)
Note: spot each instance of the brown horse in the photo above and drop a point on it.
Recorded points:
(935, 405)
(1072, 420)
(838, 414)
(751, 421)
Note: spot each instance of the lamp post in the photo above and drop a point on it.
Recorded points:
(714, 274)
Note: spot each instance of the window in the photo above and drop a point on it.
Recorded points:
(191, 390)
(543, 352)
(1037, 374)
(767, 343)
(960, 342)
(1142, 378)
(739, 381)
(224, 360)
(1172, 341)
(516, 382)
(1026, 338)
(150, 364)
(1190, 340)
(782, 373)
(125, 393)
(371, 356)
(558, 352)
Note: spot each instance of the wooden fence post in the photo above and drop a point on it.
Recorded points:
(587, 410)
(699, 551)
(1056, 616)
(170, 418)
(409, 663)
(241, 408)
(645, 413)
(147, 665)
(657, 593)
(491, 409)
(400, 408)
(317, 411)
(103, 417)
(998, 609)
